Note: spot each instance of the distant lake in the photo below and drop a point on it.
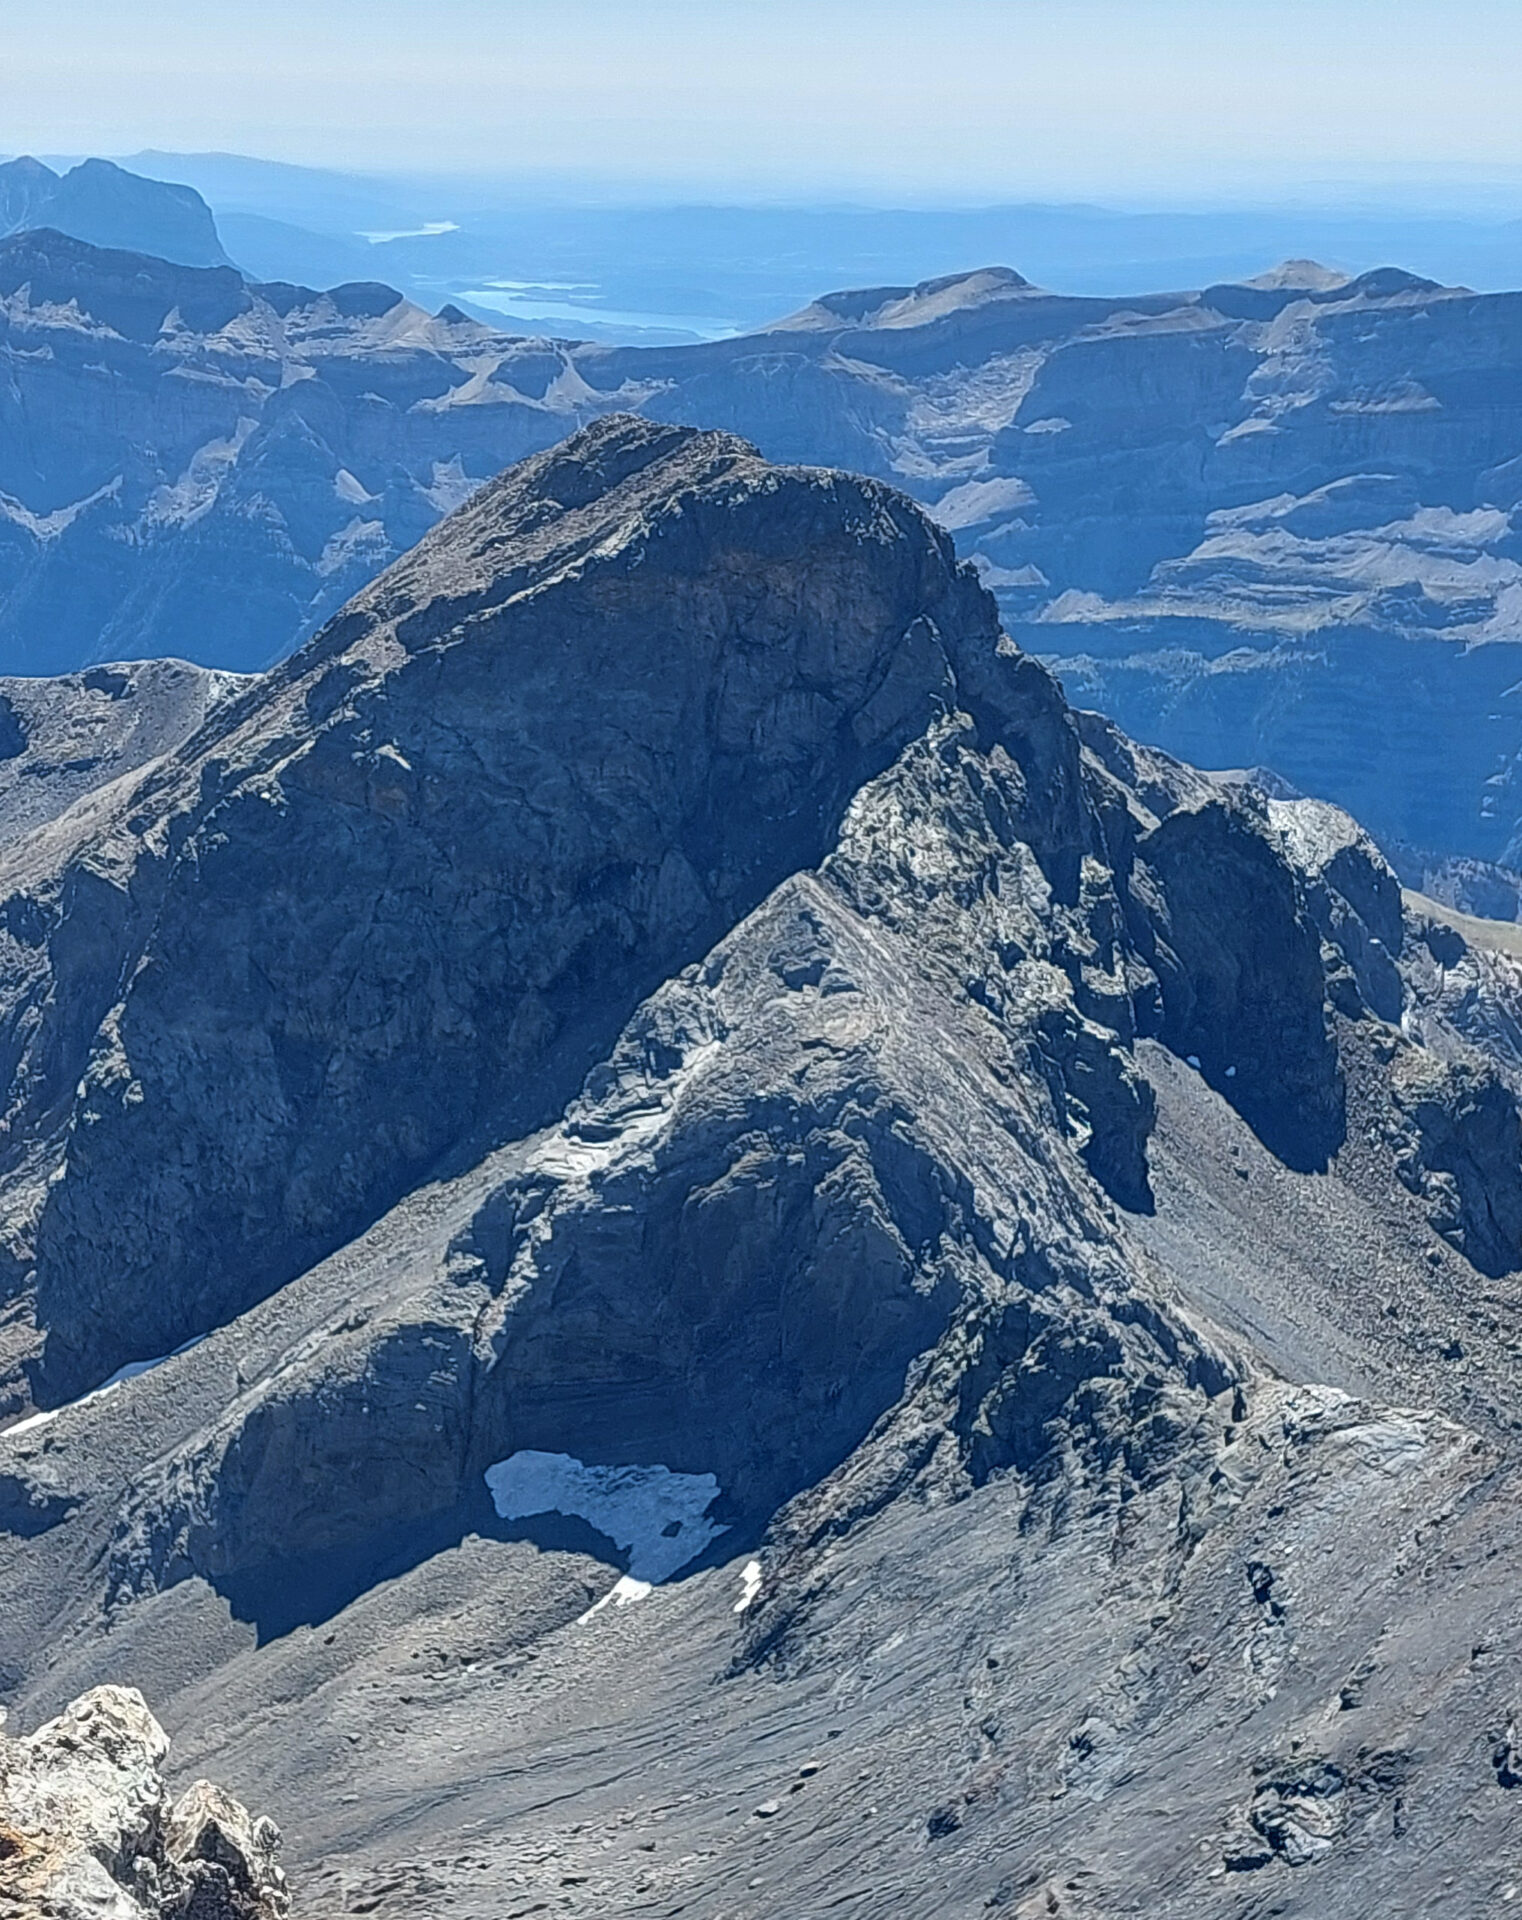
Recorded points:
(536, 306)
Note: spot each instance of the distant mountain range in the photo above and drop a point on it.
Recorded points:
(549, 256)
(104, 204)
(1275, 522)
(540, 257)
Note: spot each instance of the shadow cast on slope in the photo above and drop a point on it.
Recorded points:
(280, 1596)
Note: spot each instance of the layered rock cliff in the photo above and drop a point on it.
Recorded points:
(742, 1262)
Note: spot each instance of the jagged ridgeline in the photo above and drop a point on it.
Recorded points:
(673, 1244)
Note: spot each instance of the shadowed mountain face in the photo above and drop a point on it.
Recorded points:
(105, 206)
(746, 1263)
(424, 854)
(1264, 524)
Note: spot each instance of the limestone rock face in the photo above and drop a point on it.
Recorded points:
(87, 1826)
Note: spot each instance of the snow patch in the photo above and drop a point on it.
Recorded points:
(657, 1516)
(350, 490)
(47, 526)
(992, 575)
(750, 1586)
(623, 1593)
(450, 487)
(196, 491)
(975, 501)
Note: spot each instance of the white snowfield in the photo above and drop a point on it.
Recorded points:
(658, 1516)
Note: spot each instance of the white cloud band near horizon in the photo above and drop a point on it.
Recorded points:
(961, 99)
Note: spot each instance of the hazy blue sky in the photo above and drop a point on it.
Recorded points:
(894, 99)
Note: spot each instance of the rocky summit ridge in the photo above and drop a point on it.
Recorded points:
(742, 1262)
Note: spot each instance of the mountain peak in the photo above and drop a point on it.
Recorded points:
(25, 187)
(916, 306)
(661, 1037)
(106, 206)
(130, 292)
(1290, 275)
(616, 697)
(26, 167)
(628, 492)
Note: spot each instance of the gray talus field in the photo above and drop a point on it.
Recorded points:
(783, 1276)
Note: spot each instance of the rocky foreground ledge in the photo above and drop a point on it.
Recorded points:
(88, 1830)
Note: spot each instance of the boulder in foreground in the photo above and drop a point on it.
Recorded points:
(88, 1829)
